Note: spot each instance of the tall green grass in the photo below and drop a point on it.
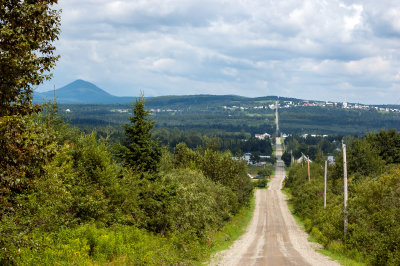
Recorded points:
(123, 244)
(333, 251)
(235, 228)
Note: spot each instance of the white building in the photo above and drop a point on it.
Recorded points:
(262, 136)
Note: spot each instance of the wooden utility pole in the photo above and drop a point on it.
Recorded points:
(277, 118)
(291, 157)
(345, 188)
(325, 177)
(308, 162)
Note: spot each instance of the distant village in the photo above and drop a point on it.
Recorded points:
(286, 104)
(290, 104)
(151, 110)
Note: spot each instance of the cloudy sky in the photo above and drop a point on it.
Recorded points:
(310, 49)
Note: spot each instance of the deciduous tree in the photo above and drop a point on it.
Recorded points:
(27, 30)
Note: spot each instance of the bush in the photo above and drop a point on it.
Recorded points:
(65, 200)
(373, 230)
(25, 147)
(217, 166)
(261, 182)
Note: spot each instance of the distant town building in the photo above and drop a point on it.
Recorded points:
(246, 157)
(303, 158)
(262, 136)
(344, 104)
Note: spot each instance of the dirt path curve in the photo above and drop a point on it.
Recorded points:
(272, 237)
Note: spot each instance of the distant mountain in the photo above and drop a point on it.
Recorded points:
(81, 92)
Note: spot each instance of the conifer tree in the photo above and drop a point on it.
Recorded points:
(139, 151)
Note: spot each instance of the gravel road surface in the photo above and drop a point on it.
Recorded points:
(272, 237)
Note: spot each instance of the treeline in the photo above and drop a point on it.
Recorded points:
(231, 127)
(212, 117)
(236, 142)
(206, 117)
(329, 120)
(311, 146)
(69, 197)
(373, 234)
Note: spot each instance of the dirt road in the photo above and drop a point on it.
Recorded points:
(272, 237)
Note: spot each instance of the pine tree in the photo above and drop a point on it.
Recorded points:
(139, 151)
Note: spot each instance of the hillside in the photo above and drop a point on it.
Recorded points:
(84, 92)
(81, 92)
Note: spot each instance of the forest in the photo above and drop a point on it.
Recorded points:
(212, 119)
(331, 121)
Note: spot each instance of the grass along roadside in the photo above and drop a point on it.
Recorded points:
(334, 255)
(234, 229)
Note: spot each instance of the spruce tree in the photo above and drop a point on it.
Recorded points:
(139, 151)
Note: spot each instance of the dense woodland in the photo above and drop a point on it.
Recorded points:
(212, 119)
(234, 130)
(332, 121)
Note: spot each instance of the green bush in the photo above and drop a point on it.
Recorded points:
(66, 200)
(217, 166)
(373, 229)
(25, 147)
(261, 182)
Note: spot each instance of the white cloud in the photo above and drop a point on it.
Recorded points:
(307, 48)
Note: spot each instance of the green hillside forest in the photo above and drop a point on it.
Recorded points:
(230, 117)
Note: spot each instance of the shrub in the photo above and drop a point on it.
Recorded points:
(261, 182)
(373, 230)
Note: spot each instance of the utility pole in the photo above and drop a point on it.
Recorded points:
(277, 118)
(345, 187)
(291, 156)
(325, 177)
(308, 165)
